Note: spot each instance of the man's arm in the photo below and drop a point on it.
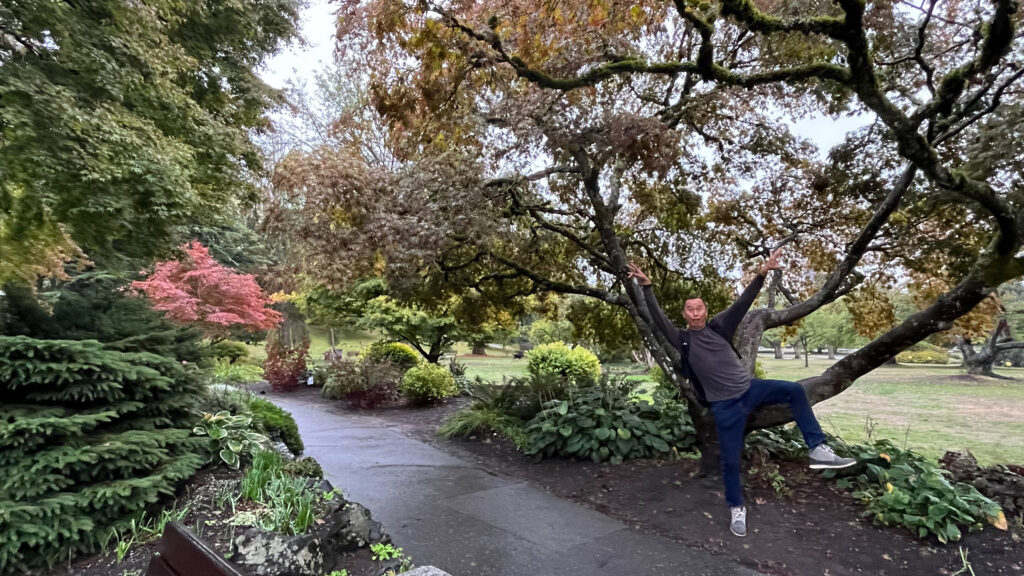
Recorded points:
(660, 318)
(657, 314)
(730, 318)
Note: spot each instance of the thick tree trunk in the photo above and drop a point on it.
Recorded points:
(979, 365)
(479, 349)
(707, 440)
(831, 351)
(979, 361)
(778, 349)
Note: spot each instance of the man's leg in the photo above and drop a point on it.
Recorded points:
(730, 421)
(785, 392)
(790, 393)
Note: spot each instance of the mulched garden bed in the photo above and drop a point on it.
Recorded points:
(809, 528)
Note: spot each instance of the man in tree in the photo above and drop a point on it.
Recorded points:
(713, 367)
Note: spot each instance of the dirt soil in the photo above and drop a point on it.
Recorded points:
(811, 528)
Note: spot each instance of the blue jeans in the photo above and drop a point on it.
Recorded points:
(731, 422)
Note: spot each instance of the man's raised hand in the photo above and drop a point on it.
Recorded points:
(772, 263)
(635, 272)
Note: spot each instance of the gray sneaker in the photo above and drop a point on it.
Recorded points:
(738, 525)
(822, 457)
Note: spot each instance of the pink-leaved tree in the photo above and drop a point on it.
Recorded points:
(198, 291)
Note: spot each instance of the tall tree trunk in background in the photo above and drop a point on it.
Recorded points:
(797, 349)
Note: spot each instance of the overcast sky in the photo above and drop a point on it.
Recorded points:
(300, 63)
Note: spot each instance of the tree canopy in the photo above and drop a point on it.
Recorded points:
(540, 146)
(122, 121)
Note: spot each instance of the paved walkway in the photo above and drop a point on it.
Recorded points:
(467, 521)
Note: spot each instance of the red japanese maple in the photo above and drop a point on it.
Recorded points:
(198, 291)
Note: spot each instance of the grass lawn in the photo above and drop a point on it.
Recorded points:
(320, 342)
(927, 408)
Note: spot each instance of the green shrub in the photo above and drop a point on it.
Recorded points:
(229, 349)
(663, 383)
(458, 370)
(273, 421)
(231, 436)
(380, 394)
(428, 382)
(320, 374)
(220, 397)
(923, 353)
(922, 357)
(267, 417)
(364, 384)
(89, 437)
(225, 371)
(902, 488)
(520, 396)
(1003, 484)
(786, 442)
(342, 377)
(305, 467)
(578, 366)
(396, 353)
(98, 306)
(479, 420)
(602, 423)
(759, 372)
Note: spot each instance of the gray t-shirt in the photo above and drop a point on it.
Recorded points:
(715, 363)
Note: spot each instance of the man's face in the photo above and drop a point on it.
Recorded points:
(695, 313)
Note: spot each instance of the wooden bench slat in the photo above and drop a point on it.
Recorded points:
(184, 554)
(158, 567)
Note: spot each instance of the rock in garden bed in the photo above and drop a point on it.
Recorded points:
(345, 527)
(1003, 484)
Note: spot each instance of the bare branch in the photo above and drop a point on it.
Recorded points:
(539, 175)
(556, 286)
(996, 100)
(928, 71)
(995, 45)
(830, 289)
(704, 66)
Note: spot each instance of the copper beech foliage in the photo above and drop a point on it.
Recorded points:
(541, 145)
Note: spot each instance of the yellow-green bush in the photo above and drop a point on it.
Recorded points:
(578, 365)
(397, 353)
(426, 382)
(923, 353)
(229, 349)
